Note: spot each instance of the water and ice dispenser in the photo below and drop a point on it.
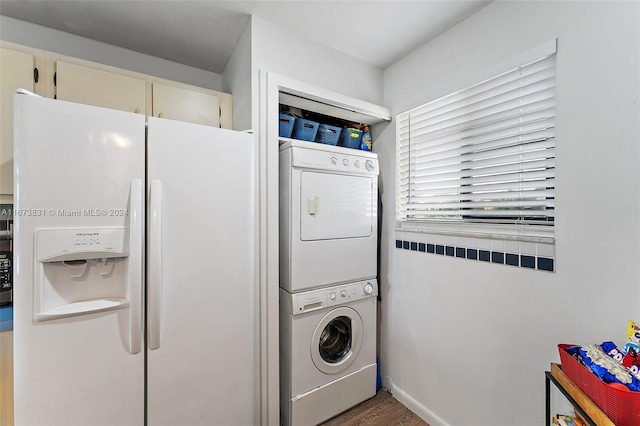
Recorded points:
(80, 271)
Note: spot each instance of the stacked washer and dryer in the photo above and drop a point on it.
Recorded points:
(328, 241)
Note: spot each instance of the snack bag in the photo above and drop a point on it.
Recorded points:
(612, 350)
(633, 338)
(597, 359)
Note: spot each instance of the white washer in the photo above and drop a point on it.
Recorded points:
(328, 215)
(327, 351)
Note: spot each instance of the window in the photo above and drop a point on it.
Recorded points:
(485, 154)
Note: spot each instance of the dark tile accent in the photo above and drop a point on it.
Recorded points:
(498, 257)
(545, 264)
(513, 259)
(472, 254)
(527, 261)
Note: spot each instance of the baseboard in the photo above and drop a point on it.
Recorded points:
(423, 412)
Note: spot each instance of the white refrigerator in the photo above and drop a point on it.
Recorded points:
(134, 269)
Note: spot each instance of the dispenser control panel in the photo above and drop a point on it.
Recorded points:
(60, 244)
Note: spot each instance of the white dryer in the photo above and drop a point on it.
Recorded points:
(327, 351)
(328, 215)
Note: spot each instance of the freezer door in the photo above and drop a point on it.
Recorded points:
(79, 173)
(200, 275)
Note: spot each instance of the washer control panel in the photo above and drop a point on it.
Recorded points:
(313, 300)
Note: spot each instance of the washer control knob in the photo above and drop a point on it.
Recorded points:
(357, 163)
(369, 165)
(343, 294)
(368, 289)
(332, 295)
(333, 160)
(345, 162)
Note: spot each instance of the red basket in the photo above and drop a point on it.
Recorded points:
(621, 406)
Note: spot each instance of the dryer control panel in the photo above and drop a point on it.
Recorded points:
(313, 300)
(334, 158)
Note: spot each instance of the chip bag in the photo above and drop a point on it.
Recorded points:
(612, 350)
(606, 367)
(633, 338)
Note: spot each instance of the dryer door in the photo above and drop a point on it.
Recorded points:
(337, 340)
(335, 206)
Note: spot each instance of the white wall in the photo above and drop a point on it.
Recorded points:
(281, 51)
(467, 343)
(236, 79)
(39, 37)
(285, 53)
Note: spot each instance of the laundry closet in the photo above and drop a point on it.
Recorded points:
(328, 235)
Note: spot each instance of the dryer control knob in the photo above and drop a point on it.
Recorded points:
(332, 295)
(369, 165)
(343, 293)
(368, 289)
(333, 160)
(345, 162)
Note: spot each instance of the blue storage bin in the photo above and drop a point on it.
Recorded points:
(350, 138)
(285, 128)
(305, 130)
(6, 318)
(328, 134)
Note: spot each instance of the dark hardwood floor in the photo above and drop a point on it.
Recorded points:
(383, 409)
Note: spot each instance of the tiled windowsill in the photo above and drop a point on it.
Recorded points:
(529, 255)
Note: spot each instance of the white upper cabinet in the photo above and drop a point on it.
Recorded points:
(76, 80)
(92, 86)
(177, 103)
(16, 71)
(90, 83)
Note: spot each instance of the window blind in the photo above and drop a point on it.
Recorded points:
(483, 154)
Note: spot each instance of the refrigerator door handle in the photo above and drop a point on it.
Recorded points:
(136, 232)
(155, 264)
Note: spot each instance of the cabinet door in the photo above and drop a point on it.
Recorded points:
(77, 83)
(192, 106)
(16, 71)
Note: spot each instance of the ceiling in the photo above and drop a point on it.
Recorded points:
(204, 33)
